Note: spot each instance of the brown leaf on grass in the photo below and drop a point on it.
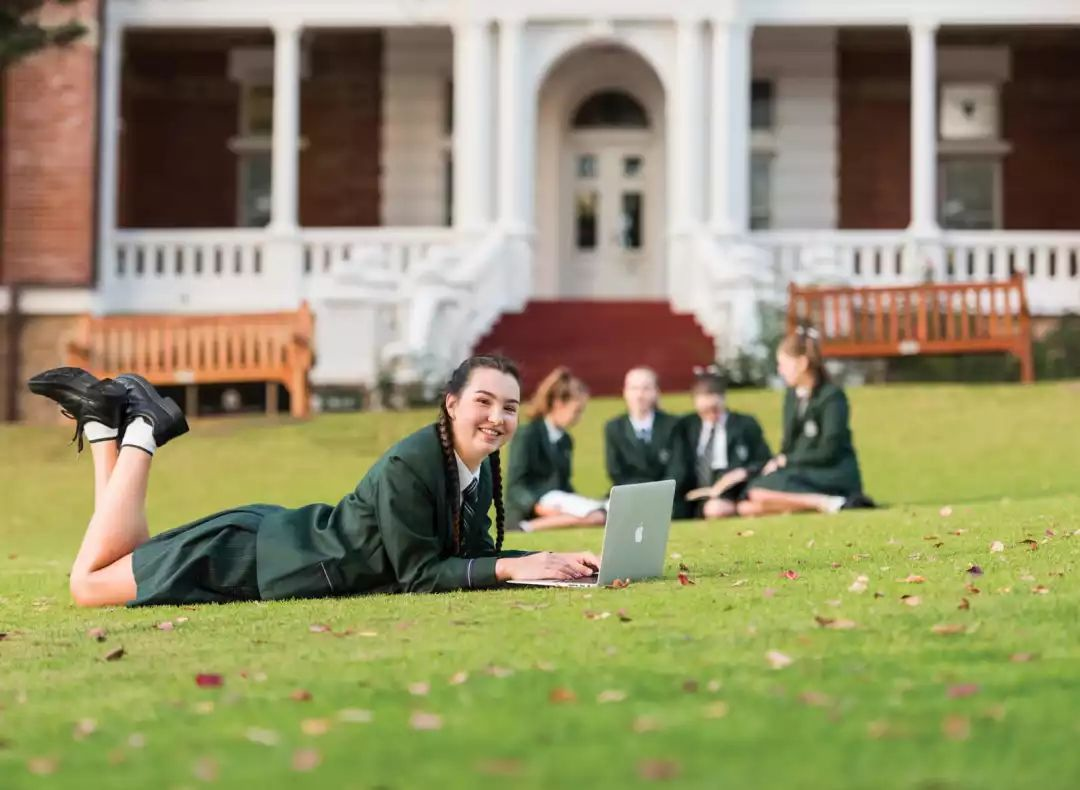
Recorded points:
(300, 695)
(208, 680)
(1031, 543)
(690, 686)
(84, 728)
(778, 660)
(971, 588)
(181, 620)
(815, 699)
(319, 628)
(560, 695)
(790, 574)
(859, 585)
(911, 600)
(1022, 658)
(643, 724)
(166, 625)
(945, 512)
(619, 584)
(304, 760)
(975, 570)
(591, 615)
(658, 770)
(42, 766)
(458, 678)
(97, 634)
(996, 547)
(912, 579)
(623, 616)
(315, 726)
(745, 533)
(610, 695)
(962, 690)
(500, 767)
(684, 578)
(425, 721)
(956, 728)
(1040, 589)
(835, 623)
(206, 769)
(964, 605)
(115, 654)
(420, 688)
(949, 628)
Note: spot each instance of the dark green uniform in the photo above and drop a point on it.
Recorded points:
(632, 460)
(537, 466)
(393, 533)
(820, 454)
(746, 449)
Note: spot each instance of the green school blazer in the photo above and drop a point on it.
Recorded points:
(536, 467)
(746, 445)
(393, 533)
(630, 460)
(818, 445)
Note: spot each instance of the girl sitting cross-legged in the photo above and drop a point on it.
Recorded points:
(816, 468)
(416, 522)
(539, 492)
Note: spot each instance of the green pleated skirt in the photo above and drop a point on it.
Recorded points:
(211, 560)
(842, 479)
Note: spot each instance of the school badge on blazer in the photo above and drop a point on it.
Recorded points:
(742, 452)
(665, 455)
(810, 429)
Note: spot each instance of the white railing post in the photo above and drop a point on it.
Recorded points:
(111, 63)
(729, 211)
(284, 187)
(472, 135)
(923, 129)
(515, 178)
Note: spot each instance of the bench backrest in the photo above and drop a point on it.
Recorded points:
(196, 349)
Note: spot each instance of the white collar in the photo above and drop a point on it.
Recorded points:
(802, 393)
(554, 433)
(465, 474)
(645, 424)
(723, 421)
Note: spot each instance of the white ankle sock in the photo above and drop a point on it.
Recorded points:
(99, 432)
(140, 433)
(526, 526)
(833, 504)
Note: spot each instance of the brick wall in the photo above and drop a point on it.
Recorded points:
(48, 162)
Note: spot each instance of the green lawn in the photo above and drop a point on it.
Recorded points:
(546, 688)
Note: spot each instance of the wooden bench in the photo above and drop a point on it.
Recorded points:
(189, 350)
(930, 318)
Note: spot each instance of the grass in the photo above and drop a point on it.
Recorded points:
(887, 703)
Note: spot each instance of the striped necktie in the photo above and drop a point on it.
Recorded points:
(468, 501)
(704, 459)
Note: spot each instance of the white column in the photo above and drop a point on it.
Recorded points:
(473, 148)
(285, 182)
(109, 169)
(923, 129)
(688, 126)
(515, 176)
(729, 210)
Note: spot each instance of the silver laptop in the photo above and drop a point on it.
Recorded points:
(635, 536)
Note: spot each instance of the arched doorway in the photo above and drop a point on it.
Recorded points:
(601, 177)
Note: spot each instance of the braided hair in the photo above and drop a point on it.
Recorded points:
(459, 379)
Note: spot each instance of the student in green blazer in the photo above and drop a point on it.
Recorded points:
(416, 522)
(539, 492)
(816, 468)
(644, 445)
(724, 448)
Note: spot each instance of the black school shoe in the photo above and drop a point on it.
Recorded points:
(858, 502)
(82, 397)
(161, 412)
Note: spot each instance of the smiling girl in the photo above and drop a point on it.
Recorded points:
(416, 522)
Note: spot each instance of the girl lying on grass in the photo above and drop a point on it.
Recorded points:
(416, 522)
(816, 468)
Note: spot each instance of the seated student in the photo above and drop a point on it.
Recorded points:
(416, 522)
(816, 468)
(724, 448)
(539, 492)
(644, 445)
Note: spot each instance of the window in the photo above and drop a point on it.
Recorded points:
(610, 110)
(253, 146)
(760, 191)
(586, 208)
(761, 105)
(630, 221)
(968, 193)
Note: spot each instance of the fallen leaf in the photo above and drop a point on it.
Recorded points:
(945, 512)
(975, 570)
(504, 767)
(971, 588)
(561, 695)
(1040, 589)
(498, 672)
(419, 689)
(209, 680)
(911, 600)
(948, 628)
(318, 628)
(931, 537)
(684, 578)
(859, 585)
(591, 615)
(305, 760)
(84, 728)
(315, 726)
(181, 620)
(836, 624)
(716, 710)
(913, 579)
(42, 766)
(98, 634)
(963, 690)
(167, 625)
(1030, 543)
(611, 695)
(545, 666)
(262, 737)
(205, 708)
(737, 583)
(959, 531)
(115, 654)
(1022, 658)
(956, 728)
(425, 721)
(658, 770)
(458, 678)
(300, 695)
(789, 574)
(746, 533)
(713, 686)
(620, 584)
(690, 686)
(356, 716)
(778, 660)
(1050, 533)
(964, 605)
(206, 769)
(1027, 577)
(997, 546)
(376, 633)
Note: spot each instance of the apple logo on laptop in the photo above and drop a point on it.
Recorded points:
(639, 533)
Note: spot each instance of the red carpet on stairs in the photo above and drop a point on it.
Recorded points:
(600, 341)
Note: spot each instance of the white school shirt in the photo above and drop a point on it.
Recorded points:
(553, 433)
(719, 448)
(465, 476)
(644, 425)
